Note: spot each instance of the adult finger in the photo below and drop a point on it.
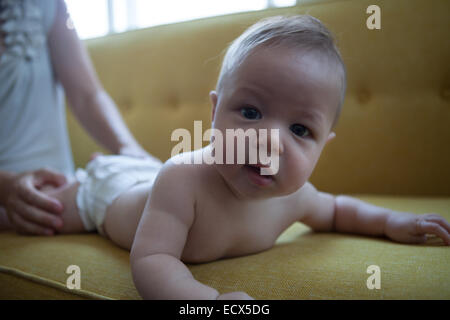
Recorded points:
(38, 216)
(23, 226)
(39, 199)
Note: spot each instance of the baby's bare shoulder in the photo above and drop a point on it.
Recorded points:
(177, 174)
(302, 200)
(173, 193)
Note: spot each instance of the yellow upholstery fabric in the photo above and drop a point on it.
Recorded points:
(302, 265)
(392, 139)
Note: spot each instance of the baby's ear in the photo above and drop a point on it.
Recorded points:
(213, 97)
(331, 136)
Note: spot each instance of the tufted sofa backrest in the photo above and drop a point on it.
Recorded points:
(393, 136)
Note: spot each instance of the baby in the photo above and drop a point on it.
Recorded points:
(282, 73)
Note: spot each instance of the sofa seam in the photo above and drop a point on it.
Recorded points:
(51, 283)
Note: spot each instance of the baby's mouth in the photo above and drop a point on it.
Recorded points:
(254, 174)
(254, 168)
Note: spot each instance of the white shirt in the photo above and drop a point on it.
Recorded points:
(33, 130)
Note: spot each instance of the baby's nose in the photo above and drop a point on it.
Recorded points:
(269, 142)
(275, 143)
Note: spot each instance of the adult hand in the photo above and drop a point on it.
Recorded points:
(30, 210)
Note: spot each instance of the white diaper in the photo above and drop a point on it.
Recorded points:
(105, 178)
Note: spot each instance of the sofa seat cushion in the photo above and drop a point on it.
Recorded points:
(302, 265)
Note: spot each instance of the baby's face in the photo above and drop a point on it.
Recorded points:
(285, 89)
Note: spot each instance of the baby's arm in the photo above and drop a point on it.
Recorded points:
(157, 270)
(325, 212)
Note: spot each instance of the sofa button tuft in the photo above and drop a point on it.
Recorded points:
(173, 102)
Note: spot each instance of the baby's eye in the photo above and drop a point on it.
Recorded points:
(251, 113)
(299, 130)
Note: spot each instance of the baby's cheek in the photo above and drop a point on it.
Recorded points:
(294, 175)
(291, 181)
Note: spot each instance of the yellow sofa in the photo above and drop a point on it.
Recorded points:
(392, 149)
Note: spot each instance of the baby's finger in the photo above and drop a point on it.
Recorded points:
(434, 228)
(440, 220)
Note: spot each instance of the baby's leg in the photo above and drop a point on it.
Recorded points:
(123, 215)
(72, 222)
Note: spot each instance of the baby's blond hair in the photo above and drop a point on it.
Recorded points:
(299, 31)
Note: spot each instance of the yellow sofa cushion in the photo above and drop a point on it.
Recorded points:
(302, 265)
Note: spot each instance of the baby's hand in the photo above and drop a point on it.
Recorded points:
(234, 296)
(412, 228)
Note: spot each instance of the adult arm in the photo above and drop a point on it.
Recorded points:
(90, 103)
